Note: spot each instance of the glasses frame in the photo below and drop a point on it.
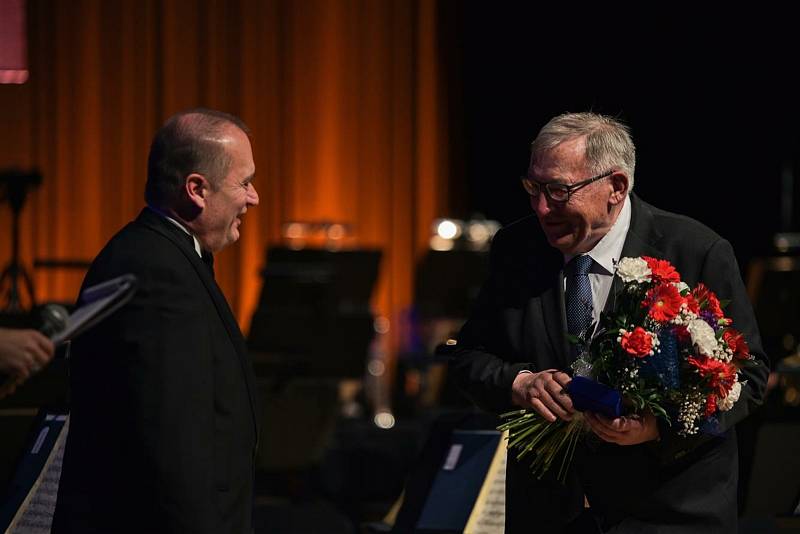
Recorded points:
(529, 183)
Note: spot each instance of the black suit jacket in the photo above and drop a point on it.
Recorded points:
(674, 485)
(163, 424)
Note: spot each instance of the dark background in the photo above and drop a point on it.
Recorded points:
(709, 97)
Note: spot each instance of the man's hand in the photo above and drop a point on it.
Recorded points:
(630, 430)
(544, 392)
(22, 353)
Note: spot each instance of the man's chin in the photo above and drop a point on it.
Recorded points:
(564, 243)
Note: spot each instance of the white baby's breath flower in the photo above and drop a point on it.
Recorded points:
(703, 337)
(722, 353)
(684, 317)
(733, 395)
(633, 270)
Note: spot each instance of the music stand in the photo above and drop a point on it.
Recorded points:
(314, 317)
(448, 282)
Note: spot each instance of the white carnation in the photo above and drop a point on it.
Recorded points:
(733, 395)
(682, 286)
(633, 270)
(703, 337)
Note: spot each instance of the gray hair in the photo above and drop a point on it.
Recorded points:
(188, 143)
(608, 141)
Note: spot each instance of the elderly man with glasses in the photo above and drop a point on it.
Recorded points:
(551, 276)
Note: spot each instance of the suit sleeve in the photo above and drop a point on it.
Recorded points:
(720, 273)
(481, 363)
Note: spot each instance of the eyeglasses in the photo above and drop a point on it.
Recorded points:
(555, 191)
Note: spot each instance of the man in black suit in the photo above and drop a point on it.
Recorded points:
(164, 425)
(637, 474)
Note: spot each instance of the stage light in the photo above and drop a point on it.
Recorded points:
(294, 230)
(376, 367)
(316, 234)
(452, 234)
(448, 229)
(384, 420)
(477, 232)
(381, 325)
(295, 234)
(441, 244)
(336, 231)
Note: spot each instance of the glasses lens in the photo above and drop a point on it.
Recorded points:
(530, 186)
(558, 192)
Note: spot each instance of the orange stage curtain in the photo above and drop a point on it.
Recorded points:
(344, 99)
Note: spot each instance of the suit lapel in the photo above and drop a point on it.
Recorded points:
(173, 233)
(555, 322)
(643, 239)
(544, 267)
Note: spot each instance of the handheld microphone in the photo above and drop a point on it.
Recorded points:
(54, 319)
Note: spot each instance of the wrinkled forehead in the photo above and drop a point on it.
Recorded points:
(564, 159)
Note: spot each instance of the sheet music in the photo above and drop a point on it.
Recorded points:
(79, 317)
(489, 513)
(99, 301)
(35, 516)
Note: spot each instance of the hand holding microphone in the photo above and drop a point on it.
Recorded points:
(24, 352)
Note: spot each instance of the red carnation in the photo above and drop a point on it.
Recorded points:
(664, 302)
(637, 343)
(662, 270)
(736, 342)
(707, 300)
(721, 375)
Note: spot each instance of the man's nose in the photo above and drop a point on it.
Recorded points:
(540, 204)
(252, 196)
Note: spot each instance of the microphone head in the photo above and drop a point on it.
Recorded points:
(54, 319)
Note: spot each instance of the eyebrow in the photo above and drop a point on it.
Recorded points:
(558, 181)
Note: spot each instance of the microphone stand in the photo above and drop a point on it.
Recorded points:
(16, 186)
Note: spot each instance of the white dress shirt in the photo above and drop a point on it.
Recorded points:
(605, 253)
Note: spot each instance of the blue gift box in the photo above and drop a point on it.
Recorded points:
(590, 396)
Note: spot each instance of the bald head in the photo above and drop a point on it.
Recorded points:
(189, 142)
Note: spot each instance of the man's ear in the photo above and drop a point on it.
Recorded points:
(196, 189)
(619, 184)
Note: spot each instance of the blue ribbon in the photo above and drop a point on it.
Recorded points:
(663, 364)
(590, 396)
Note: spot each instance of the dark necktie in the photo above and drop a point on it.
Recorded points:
(578, 297)
(208, 259)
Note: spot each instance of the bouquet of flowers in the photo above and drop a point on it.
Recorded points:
(666, 348)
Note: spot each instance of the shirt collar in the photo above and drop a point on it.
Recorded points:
(186, 230)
